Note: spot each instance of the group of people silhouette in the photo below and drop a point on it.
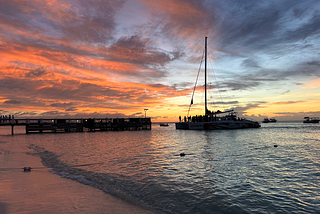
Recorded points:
(6, 118)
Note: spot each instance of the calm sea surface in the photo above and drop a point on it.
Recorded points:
(223, 171)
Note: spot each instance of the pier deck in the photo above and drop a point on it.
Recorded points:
(78, 125)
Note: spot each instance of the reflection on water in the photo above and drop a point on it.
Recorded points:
(223, 171)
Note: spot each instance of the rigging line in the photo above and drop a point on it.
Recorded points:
(195, 85)
(216, 83)
(185, 47)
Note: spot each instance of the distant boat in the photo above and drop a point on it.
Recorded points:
(311, 119)
(266, 120)
(164, 124)
(213, 120)
(271, 120)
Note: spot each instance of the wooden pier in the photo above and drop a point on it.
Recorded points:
(78, 125)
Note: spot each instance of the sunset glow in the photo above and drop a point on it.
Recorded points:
(114, 58)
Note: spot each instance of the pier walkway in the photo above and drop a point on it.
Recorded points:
(78, 125)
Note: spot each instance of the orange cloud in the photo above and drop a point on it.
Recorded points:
(312, 84)
(59, 58)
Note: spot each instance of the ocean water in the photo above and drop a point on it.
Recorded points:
(223, 171)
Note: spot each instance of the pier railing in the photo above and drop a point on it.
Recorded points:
(78, 125)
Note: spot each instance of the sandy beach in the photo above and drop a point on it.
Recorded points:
(40, 191)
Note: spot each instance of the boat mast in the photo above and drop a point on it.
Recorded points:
(205, 75)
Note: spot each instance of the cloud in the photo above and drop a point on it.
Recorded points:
(36, 73)
(76, 96)
(80, 22)
(139, 51)
(263, 25)
(243, 85)
(180, 19)
(12, 102)
(72, 109)
(225, 103)
(251, 63)
(61, 104)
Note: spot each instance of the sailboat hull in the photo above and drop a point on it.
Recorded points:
(182, 126)
(217, 125)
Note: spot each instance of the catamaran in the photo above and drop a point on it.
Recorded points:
(311, 119)
(214, 119)
(271, 120)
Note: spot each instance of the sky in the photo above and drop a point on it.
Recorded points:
(116, 58)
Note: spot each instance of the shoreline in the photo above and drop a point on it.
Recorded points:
(40, 191)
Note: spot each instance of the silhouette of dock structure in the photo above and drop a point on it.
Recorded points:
(78, 125)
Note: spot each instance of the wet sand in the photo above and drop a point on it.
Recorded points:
(40, 191)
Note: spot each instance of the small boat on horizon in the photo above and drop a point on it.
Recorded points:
(266, 120)
(311, 120)
(212, 120)
(271, 120)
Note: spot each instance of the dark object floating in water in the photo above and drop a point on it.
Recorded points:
(183, 154)
(27, 169)
(275, 145)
